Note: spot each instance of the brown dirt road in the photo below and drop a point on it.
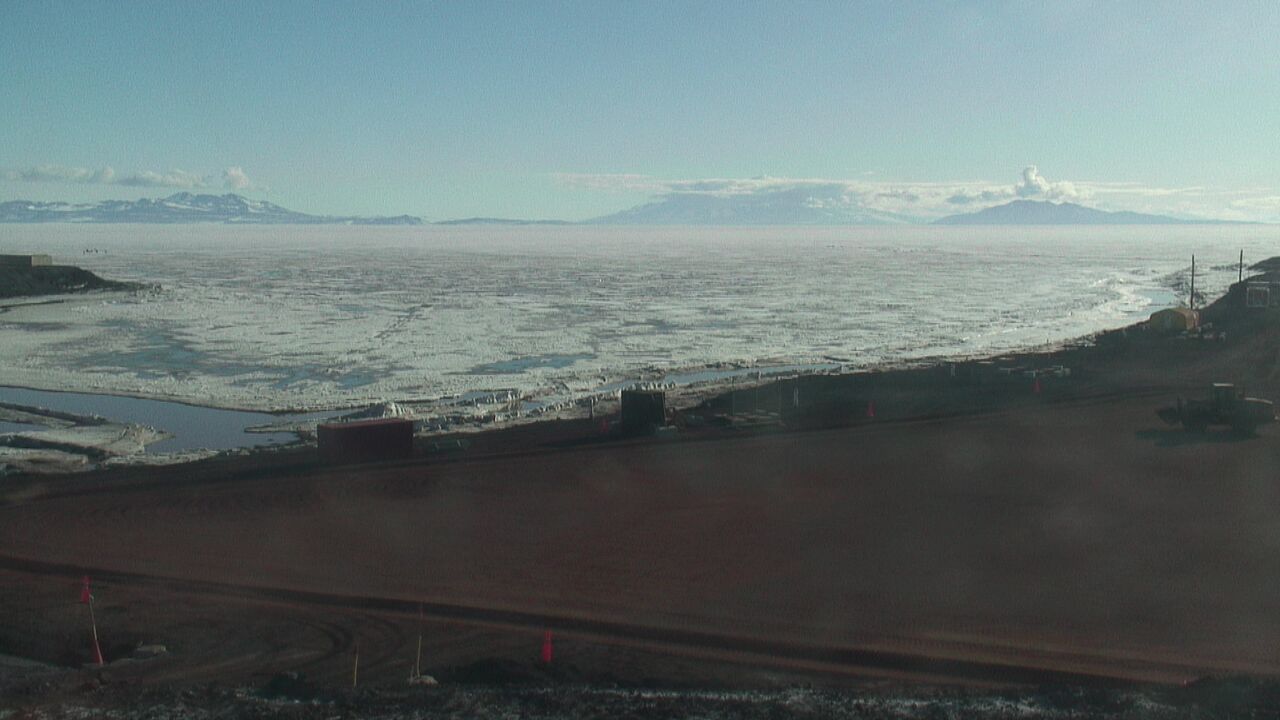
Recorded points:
(1061, 541)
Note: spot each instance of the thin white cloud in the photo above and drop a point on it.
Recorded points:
(1035, 185)
(965, 196)
(1268, 204)
(59, 173)
(171, 179)
(232, 178)
(609, 182)
(1032, 183)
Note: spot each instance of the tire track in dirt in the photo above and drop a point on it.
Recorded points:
(340, 643)
(387, 642)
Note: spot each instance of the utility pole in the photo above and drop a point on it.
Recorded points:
(417, 663)
(1192, 299)
(355, 667)
(1241, 278)
(97, 649)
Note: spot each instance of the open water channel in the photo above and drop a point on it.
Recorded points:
(192, 427)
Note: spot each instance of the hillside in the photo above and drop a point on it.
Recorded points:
(54, 280)
(805, 205)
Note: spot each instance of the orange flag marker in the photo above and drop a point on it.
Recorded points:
(86, 598)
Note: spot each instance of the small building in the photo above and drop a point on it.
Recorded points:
(1172, 320)
(643, 411)
(1260, 291)
(365, 440)
(1257, 294)
(25, 261)
(1257, 291)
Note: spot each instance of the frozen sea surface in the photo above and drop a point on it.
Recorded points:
(295, 317)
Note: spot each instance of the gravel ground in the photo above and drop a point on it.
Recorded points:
(1213, 698)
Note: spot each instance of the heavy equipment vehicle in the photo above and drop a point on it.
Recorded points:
(1226, 405)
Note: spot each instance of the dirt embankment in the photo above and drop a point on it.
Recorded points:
(55, 280)
(1236, 344)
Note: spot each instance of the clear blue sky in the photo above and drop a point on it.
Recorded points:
(565, 109)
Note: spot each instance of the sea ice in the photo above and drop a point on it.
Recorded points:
(288, 317)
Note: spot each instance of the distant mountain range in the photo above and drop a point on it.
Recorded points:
(500, 221)
(181, 207)
(1039, 212)
(807, 205)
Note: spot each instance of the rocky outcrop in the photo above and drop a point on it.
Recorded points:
(54, 280)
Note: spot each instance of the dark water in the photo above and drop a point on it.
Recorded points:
(157, 355)
(14, 427)
(192, 427)
(521, 364)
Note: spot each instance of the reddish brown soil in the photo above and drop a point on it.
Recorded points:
(1062, 538)
(1076, 538)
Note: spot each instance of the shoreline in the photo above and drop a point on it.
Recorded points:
(740, 369)
(494, 421)
(901, 386)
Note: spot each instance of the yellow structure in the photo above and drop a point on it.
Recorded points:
(1177, 319)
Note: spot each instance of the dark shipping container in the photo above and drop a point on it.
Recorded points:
(364, 440)
(643, 411)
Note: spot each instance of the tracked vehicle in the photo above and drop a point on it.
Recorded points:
(1226, 405)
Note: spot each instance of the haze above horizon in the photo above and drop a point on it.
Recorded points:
(575, 110)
